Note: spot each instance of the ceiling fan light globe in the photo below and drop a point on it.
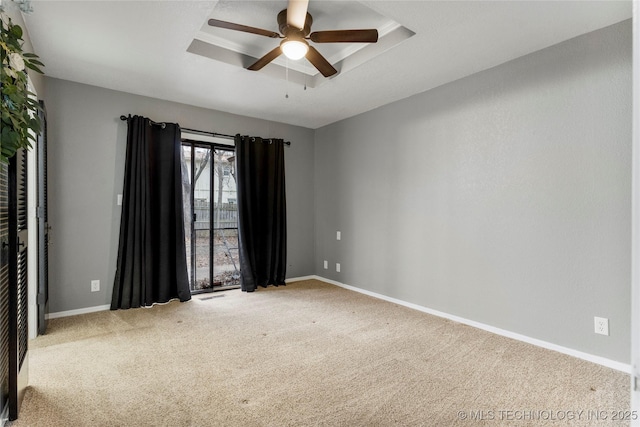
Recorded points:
(295, 49)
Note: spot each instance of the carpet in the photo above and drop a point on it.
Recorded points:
(307, 354)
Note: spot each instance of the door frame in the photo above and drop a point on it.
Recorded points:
(635, 220)
(39, 281)
(208, 142)
(32, 246)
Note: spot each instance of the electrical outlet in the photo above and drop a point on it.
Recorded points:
(338, 267)
(601, 325)
(326, 264)
(338, 235)
(95, 285)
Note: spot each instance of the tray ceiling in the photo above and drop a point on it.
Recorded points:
(242, 49)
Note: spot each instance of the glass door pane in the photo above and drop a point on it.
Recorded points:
(187, 173)
(211, 216)
(225, 247)
(202, 217)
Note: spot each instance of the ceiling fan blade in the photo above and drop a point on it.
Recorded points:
(265, 59)
(297, 13)
(320, 62)
(243, 28)
(345, 36)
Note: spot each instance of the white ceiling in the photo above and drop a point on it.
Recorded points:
(141, 47)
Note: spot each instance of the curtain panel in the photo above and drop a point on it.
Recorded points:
(262, 212)
(151, 265)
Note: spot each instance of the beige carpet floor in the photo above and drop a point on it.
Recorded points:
(308, 354)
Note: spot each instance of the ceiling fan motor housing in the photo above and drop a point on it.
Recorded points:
(293, 32)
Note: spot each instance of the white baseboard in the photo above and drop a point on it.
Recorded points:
(299, 279)
(619, 366)
(78, 311)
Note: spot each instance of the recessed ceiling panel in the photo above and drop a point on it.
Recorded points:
(327, 15)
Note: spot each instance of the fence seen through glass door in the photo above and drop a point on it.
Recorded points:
(211, 216)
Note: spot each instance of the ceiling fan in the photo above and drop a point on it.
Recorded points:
(295, 28)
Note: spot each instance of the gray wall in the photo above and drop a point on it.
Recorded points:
(87, 143)
(503, 198)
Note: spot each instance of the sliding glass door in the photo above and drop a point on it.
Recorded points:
(211, 216)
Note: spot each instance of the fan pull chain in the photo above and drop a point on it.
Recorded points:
(287, 79)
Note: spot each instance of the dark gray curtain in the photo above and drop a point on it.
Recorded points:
(151, 264)
(262, 212)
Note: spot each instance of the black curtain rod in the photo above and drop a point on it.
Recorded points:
(222, 135)
(162, 125)
(204, 132)
(201, 132)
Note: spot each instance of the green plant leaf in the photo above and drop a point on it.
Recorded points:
(18, 110)
(33, 67)
(16, 31)
(35, 61)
